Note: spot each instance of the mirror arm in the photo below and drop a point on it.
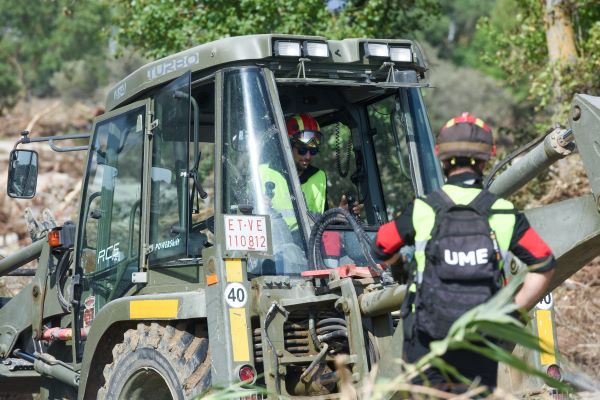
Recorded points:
(25, 139)
(65, 149)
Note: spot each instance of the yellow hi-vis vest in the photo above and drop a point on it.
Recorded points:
(282, 199)
(315, 189)
(423, 219)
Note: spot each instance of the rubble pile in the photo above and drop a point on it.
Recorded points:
(59, 179)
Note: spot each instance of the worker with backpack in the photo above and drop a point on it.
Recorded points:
(461, 234)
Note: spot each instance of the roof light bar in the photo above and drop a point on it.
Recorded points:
(401, 54)
(377, 50)
(287, 48)
(316, 49)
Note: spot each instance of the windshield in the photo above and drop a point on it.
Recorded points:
(403, 150)
(169, 182)
(255, 176)
(404, 165)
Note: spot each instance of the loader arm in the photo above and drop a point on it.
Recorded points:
(572, 227)
(572, 230)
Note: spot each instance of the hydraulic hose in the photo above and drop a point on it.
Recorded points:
(312, 330)
(511, 156)
(337, 216)
(335, 334)
(330, 328)
(326, 321)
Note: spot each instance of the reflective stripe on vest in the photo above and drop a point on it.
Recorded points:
(282, 200)
(314, 190)
(424, 219)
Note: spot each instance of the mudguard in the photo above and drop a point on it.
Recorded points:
(163, 306)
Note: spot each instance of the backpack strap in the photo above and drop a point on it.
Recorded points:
(483, 202)
(438, 200)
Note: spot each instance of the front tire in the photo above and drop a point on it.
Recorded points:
(158, 361)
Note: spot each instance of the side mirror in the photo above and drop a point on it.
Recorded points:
(22, 174)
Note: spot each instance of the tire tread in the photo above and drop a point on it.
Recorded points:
(186, 353)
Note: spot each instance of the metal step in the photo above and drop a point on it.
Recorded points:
(17, 364)
(18, 376)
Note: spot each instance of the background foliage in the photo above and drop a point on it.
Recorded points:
(486, 56)
(162, 27)
(516, 38)
(38, 39)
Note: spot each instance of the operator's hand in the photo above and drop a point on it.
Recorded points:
(356, 207)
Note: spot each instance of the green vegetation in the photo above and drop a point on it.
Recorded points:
(39, 37)
(159, 28)
(454, 32)
(519, 44)
(477, 48)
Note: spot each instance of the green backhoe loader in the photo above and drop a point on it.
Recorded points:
(180, 276)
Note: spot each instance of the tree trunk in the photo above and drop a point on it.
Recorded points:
(560, 36)
(560, 39)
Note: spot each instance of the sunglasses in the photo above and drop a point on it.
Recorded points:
(303, 150)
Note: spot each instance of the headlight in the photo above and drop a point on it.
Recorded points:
(316, 49)
(286, 48)
(401, 54)
(378, 50)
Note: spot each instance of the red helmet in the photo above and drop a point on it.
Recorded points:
(302, 128)
(465, 136)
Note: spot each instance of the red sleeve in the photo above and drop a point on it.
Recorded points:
(529, 247)
(388, 240)
(534, 244)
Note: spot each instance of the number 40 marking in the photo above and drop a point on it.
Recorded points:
(546, 302)
(236, 295)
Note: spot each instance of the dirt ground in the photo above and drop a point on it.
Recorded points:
(577, 301)
(577, 307)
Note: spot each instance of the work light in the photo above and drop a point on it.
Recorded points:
(401, 54)
(316, 49)
(287, 48)
(377, 50)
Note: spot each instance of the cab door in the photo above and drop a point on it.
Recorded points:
(110, 224)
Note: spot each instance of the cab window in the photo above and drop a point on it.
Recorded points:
(110, 241)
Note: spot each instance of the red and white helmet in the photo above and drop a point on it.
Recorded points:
(304, 129)
(465, 136)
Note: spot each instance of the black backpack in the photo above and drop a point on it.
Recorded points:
(461, 267)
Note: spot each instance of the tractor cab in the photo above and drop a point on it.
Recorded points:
(201, 135)
(194, 154)
(213, 142)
